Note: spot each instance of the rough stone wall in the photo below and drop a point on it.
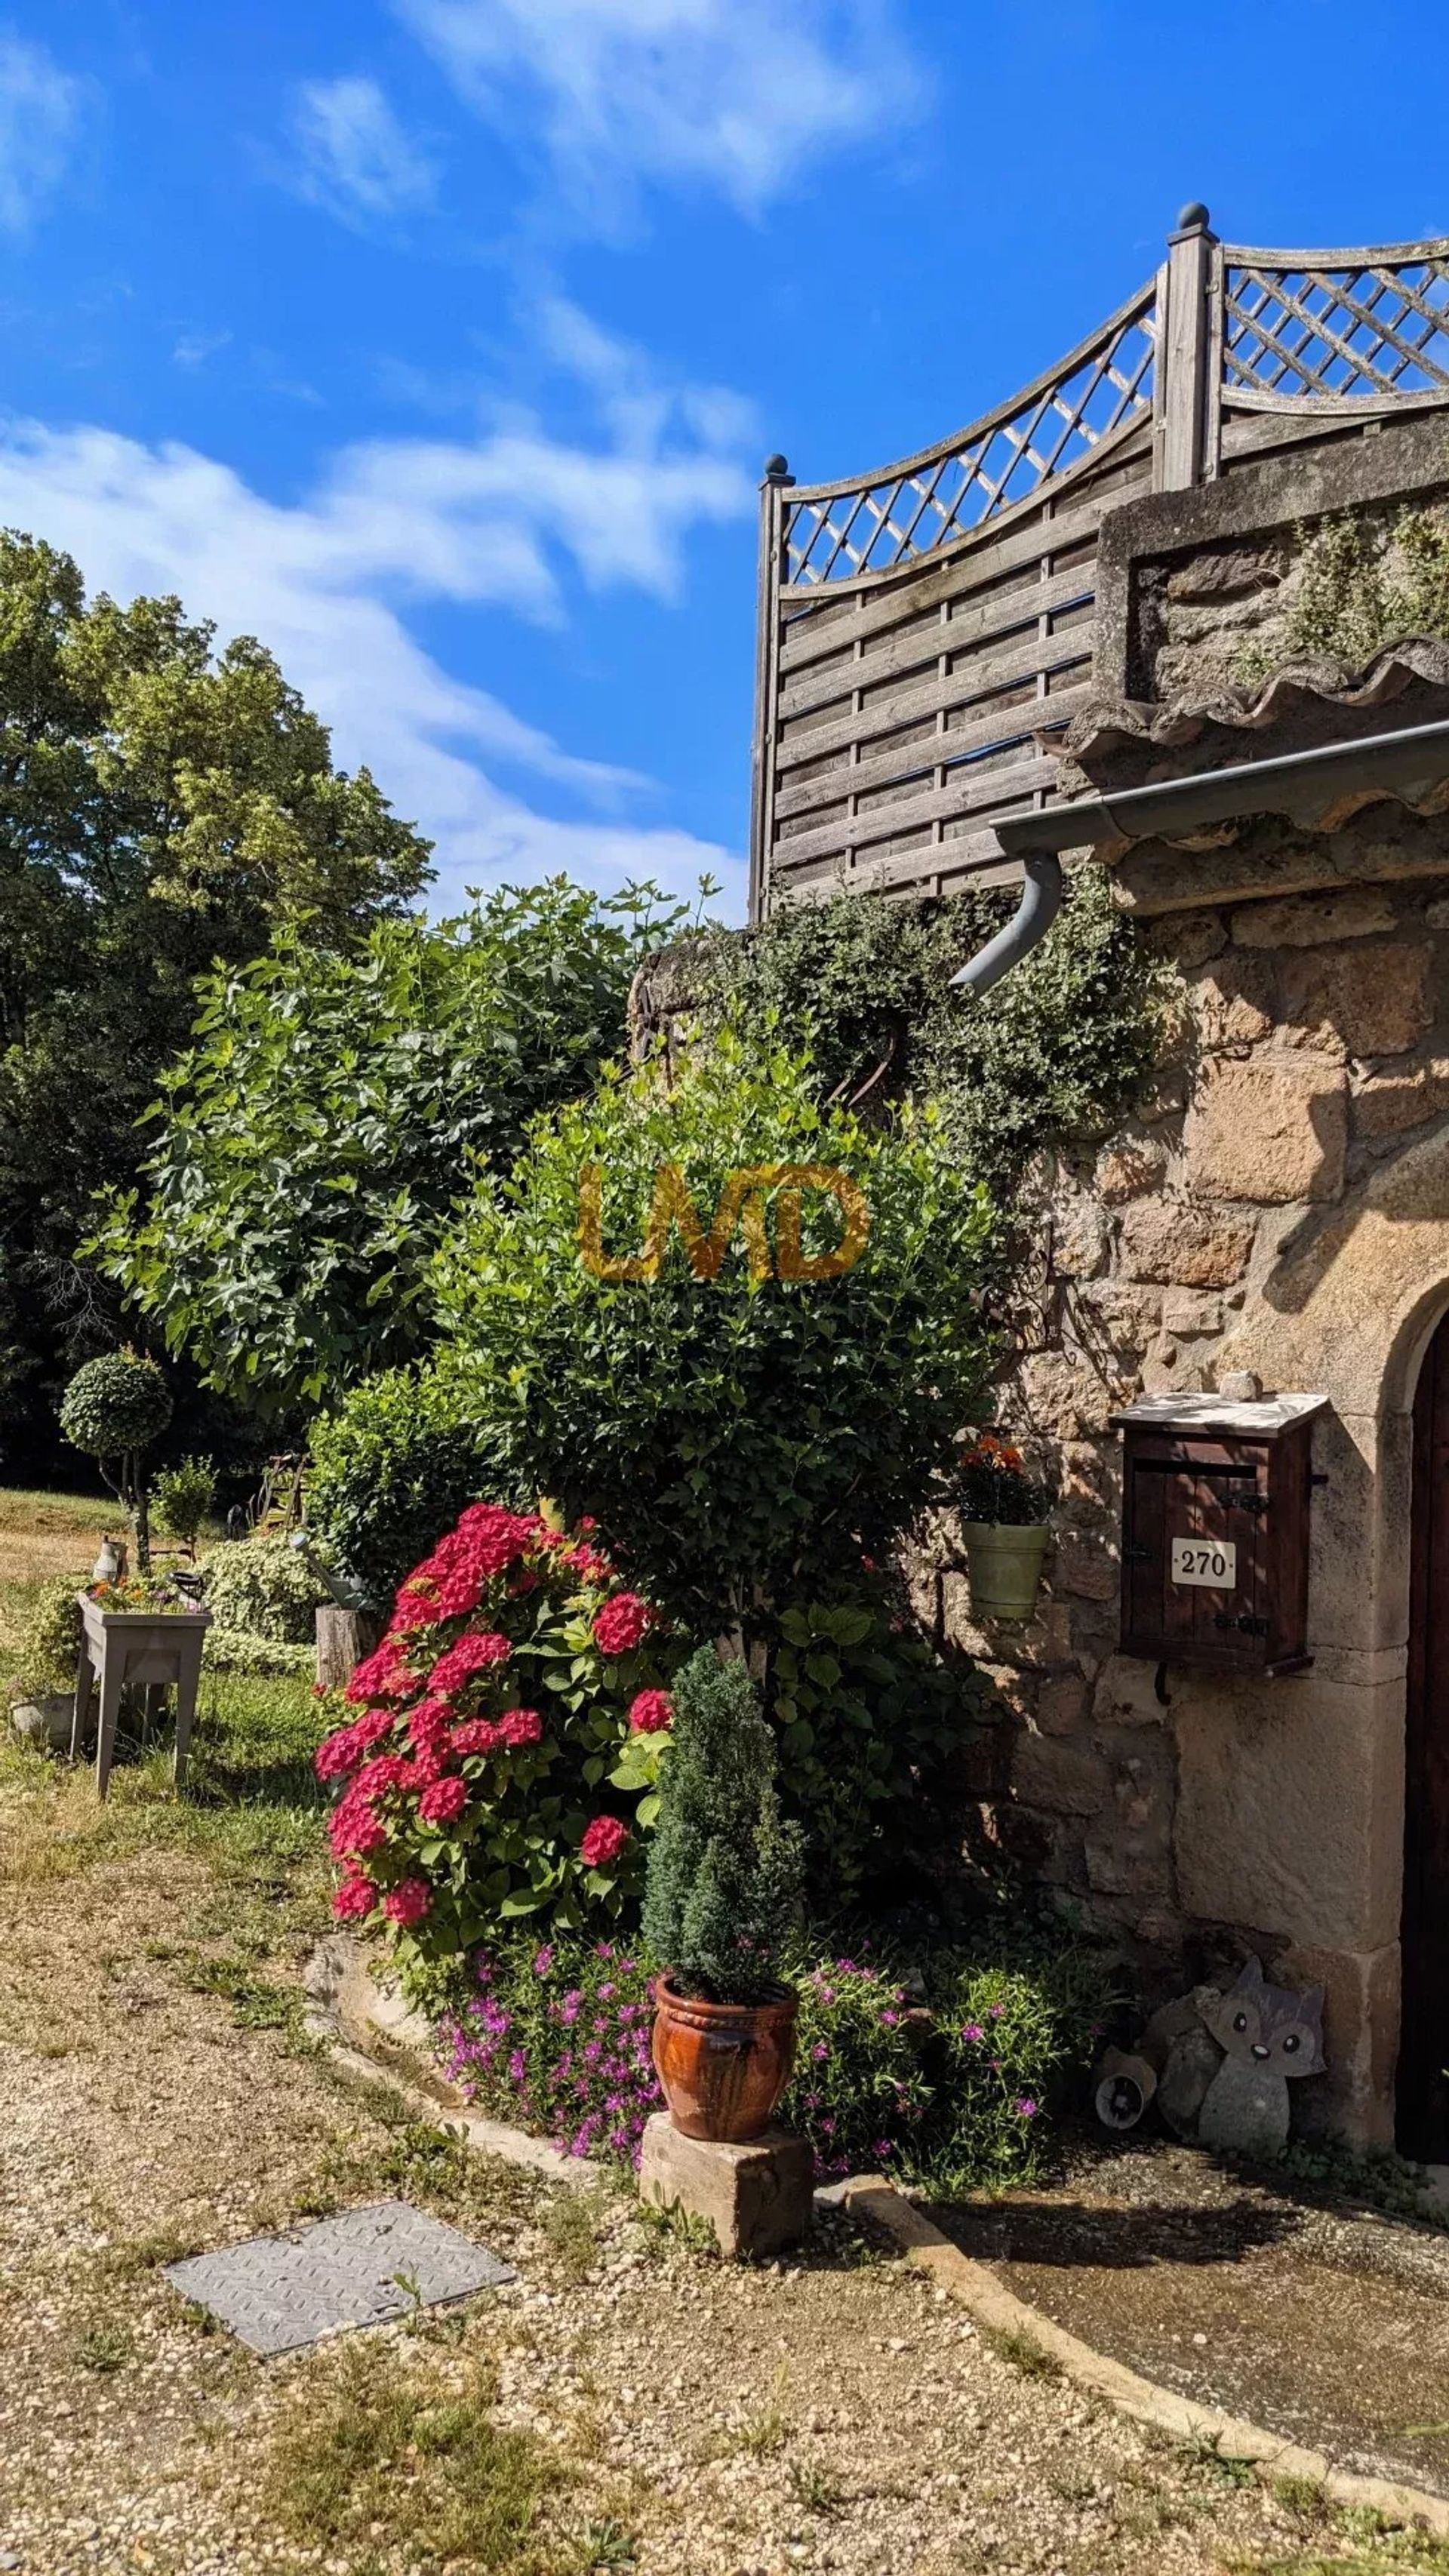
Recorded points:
(1279, 1208)
(1221, 616)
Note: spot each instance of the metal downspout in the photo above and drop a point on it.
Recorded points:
(1040, 903)
(1301, 784)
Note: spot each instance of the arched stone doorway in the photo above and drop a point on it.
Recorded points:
(1422, 2125)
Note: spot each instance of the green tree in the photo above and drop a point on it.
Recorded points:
(729, 1432)
(335, 1107)
(162, 806)
(113, 1408)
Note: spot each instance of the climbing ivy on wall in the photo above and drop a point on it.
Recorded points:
(1055, 1052)
(1362, 583)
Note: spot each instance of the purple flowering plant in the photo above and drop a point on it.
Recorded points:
(554, 2036)
(860, 2092)
(951, 2078)
(1011, 2038)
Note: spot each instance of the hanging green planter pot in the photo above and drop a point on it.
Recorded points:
(1003, 1567)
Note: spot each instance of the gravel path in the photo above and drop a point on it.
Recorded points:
(834, 2413)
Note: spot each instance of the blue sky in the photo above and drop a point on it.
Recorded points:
(439, 342)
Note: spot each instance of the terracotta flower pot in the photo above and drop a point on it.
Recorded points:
(723, 2066)
(1003, 1566)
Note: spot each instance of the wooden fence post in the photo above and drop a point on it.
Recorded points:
(778, 479)
(1187, 356)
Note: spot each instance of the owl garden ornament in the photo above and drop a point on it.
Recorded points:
(1268, 2036)
(1218, 2064)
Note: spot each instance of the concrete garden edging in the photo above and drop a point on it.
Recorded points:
(373, 2033)
(1000, 2311)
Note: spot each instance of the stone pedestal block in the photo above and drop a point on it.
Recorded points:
(756, 2197)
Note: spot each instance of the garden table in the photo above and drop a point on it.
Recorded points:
(140, 1649)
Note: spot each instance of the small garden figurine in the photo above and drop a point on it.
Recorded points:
(114, 1408)
(1004, 1516)
(723, 1894)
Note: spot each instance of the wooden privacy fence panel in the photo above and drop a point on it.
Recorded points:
(927, 629)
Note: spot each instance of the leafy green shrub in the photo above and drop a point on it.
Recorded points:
(263, 1588)
(467, 1803)
(725, 1870)
(1017, 2025)
(860, 2091)
(115, 1404)
(1054, 1052)
(730, 1432)
(331, 1112)
(238, 1650)
(185, 1497)
(48, 1640)
(870, 1721)
(1058, 1050)
(392, 1469)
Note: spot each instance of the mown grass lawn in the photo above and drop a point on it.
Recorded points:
(44, 1533)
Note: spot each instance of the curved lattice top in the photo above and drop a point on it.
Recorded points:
(1286, 329)
(836, 530)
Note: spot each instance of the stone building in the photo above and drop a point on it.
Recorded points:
(1241, 554)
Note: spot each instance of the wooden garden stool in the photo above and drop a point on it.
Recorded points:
(147, 1650)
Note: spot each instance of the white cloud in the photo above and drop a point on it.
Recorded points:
(39, 114)
(354, 155)
(323, 582)
(736, 95)
(194, 348)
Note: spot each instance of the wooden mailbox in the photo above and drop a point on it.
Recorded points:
(1215, 1502)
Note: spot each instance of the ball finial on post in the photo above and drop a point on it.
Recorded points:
(777, 470)
(1193, 217)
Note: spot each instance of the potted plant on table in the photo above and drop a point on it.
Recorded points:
(1004, 1517)
(725, 1874)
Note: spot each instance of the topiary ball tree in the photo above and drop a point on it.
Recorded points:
(725, 1870)
(113, 1409)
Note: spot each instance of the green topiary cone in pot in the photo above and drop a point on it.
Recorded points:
(725, 1875)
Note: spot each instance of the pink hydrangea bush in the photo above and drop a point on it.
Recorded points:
(504, 1743)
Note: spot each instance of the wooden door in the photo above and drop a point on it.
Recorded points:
(1423, 2084)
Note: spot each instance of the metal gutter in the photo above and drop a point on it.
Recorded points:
(1301, 784)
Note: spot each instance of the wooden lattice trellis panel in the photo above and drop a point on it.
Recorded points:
(1303, 325)
(836, 531)
(926, 630)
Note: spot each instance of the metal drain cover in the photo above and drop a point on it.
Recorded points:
(360, 2268)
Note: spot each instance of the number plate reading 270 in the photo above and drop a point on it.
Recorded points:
(1212, 1561)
